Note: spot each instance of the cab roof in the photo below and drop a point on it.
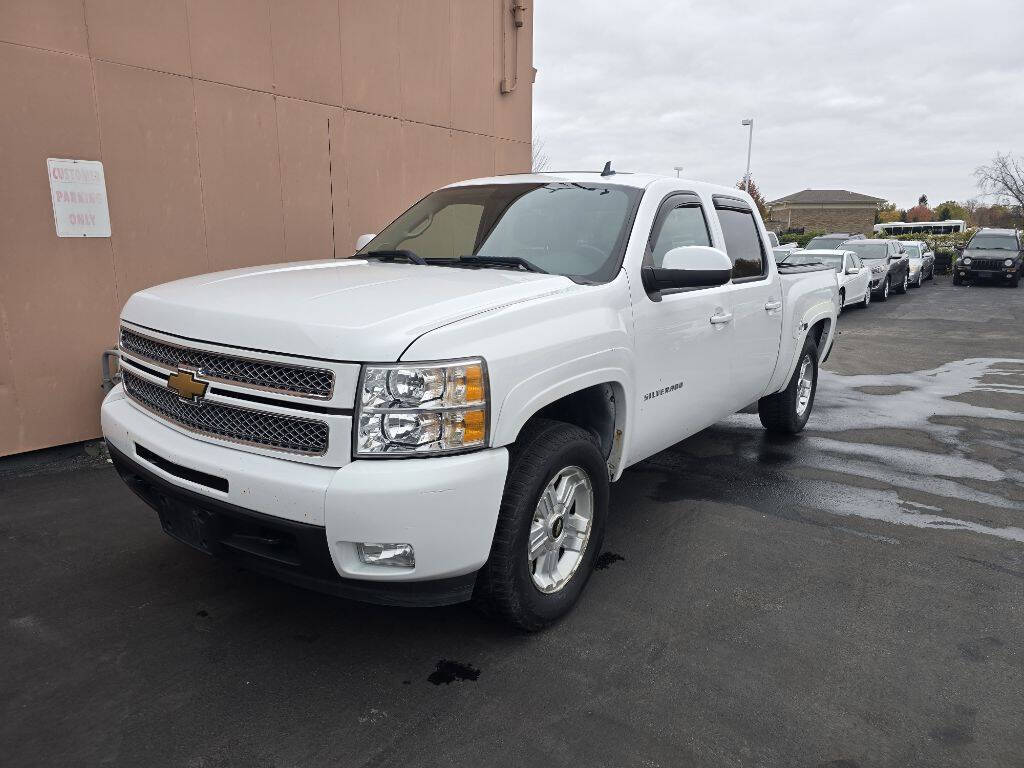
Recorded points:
(619, 178)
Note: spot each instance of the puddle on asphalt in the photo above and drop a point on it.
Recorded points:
(927, 405)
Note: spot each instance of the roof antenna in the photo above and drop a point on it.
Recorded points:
(608, 169)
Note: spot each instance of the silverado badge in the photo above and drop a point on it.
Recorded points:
(188, 388)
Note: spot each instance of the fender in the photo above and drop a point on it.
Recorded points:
(529, 396)
(793, 342)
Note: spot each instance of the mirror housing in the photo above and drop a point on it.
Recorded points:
(692, 266)
(852, 270)
(363, 240)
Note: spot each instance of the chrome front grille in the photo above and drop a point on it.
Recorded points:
(986, 263)
(242, 425)
(273, 377)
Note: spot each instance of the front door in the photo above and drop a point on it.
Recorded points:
(683, 341)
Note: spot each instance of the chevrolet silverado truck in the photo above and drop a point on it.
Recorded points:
(438, 418)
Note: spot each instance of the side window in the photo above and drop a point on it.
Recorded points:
(683, 225)
(742, 243)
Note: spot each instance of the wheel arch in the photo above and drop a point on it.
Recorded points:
(593, 403)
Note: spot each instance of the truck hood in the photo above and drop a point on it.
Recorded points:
(345, 309)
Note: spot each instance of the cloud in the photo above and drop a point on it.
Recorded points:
(890, 99)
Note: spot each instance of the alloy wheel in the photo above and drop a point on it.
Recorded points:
(561, 529)
(804, 385)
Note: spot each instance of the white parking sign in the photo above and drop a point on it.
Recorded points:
(78, 191)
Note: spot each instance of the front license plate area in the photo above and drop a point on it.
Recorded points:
(187, 524)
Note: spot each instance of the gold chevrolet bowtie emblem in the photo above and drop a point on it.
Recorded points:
(188, 388)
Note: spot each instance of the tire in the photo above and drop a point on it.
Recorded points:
(883, 295)
(866, 301)
(842, 300)
(957, 280)
(920, 279)
(905, 284)
(782, 412)
(506, 586)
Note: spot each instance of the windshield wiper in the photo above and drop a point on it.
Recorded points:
(409, 256)
(502, 261)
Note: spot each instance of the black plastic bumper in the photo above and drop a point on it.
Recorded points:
(284, 549)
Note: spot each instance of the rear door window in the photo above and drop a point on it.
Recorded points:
(742, 243)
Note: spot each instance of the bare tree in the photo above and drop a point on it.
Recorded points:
(1003, 179)
(539, 161)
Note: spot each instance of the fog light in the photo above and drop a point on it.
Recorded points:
(392, 555)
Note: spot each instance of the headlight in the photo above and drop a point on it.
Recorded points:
(422, 409)
(967, 261)
(878, 269)
(1008, 263)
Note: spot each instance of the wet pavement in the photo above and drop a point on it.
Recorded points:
(850, 597)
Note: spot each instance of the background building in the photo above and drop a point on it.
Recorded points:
(232, 133)
(824, 210)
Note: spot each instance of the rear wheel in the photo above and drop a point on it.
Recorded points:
(550, 526)
(787, 411)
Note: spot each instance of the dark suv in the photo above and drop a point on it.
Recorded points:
(888, 262)
(831, 241)
(992, 254)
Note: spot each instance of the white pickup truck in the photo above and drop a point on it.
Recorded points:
(438, 418)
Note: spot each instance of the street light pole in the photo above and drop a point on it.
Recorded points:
(750, 143)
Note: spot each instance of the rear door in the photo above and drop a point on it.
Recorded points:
(756, 298)
(683, 339)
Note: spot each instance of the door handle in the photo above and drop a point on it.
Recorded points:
(772, 305)
(721, 318)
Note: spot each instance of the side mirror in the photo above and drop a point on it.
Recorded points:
(692, 266)
(363, 240)
(853, 270)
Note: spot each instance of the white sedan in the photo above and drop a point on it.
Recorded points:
(854, 277)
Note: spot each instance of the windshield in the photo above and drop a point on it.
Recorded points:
(913, 251)
(825, 243)
(993, 243)
(576, 230)
(833, 260)
(867, 249)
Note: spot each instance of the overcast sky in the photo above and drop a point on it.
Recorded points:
(892, 99)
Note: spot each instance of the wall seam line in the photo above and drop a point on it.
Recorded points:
(195, 130)
(99, 140)
(196, 78)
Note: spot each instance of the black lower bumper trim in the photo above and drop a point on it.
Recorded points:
(291, 551)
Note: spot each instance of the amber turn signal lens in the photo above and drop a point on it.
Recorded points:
(474, 427)
(474, 383)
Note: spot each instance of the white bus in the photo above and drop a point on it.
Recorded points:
(927, 227)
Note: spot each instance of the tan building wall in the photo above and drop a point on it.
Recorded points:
(824, 218)
(232, 133)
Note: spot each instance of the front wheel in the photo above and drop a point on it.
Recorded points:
(866, 301)
(919, 279)
(883, 295)
(905, 284)
(787, 411)
(957, 280)
(842, 301)
(550, 526)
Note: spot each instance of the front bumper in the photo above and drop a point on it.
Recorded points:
(301, 523)
(974, 273)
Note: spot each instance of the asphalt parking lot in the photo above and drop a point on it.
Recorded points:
(850, 597)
